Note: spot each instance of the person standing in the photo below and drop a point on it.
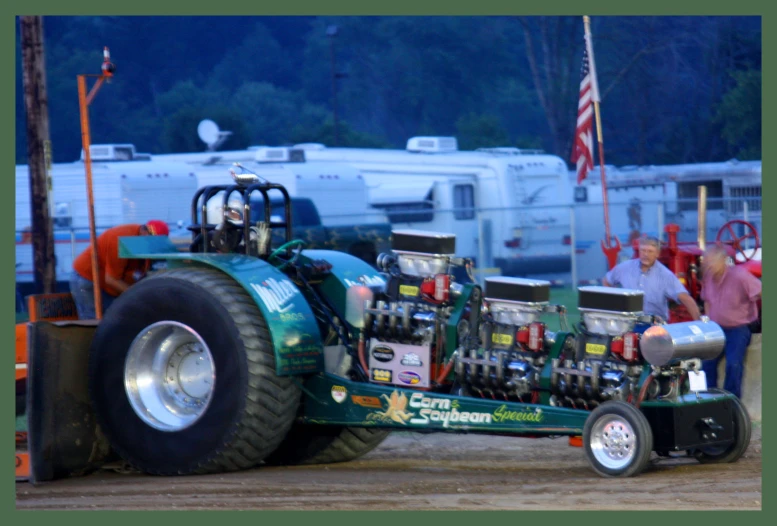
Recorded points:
(115, 274)
(730, 296)
(654, 279)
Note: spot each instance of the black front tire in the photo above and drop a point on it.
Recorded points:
(319, 444)
(250, 409)
(742, 432)
(617, 440)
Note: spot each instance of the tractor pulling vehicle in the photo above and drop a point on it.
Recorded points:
(244, 352)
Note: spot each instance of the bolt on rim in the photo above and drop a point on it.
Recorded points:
(169, 376)
(613, 442)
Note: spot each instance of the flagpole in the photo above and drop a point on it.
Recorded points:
(610, 251)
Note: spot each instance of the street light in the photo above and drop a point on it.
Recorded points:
(331, 32)
(84, 100)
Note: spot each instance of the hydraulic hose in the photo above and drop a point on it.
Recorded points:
(643, 391)
(447, 369)
(362, 359)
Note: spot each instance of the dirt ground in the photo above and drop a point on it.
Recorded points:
(425, 472)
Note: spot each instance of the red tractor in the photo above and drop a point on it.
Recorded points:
(684, 259)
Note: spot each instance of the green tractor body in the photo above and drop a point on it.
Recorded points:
(241, 352)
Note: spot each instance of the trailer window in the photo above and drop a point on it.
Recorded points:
(744, 194)
(688, 194)
(417, 212)
(463, 201)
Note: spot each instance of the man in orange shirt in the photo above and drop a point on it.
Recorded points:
(115, 274)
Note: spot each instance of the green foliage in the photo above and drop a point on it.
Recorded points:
(180, 133)
(674, 89)
(740, 115)
(271, 112)
(480, 131)
(325, 134)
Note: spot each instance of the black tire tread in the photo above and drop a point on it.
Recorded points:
(307, 445)
(271, 401)
(742, 433)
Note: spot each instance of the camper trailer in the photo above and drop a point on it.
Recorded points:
(338, 190)
(125, 191)
(643, 199)
(522, 224)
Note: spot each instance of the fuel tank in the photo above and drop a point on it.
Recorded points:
(668, 344)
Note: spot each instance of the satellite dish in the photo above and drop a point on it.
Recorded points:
(210, 134)
(208, 131)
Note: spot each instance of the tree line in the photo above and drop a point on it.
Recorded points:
(674, 89)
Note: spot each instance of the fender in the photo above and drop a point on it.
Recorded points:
(347, 271)
(293, 328)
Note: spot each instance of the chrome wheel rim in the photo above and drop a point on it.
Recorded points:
(169, 376)
(613, 442)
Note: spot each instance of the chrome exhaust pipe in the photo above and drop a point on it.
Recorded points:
(380, 320)
(393, 319)
(702, 219)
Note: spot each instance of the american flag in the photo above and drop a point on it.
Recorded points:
(583, 152)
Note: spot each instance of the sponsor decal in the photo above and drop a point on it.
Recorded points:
(409, 377)
(502, 414)
(395, 410)
(381, 375)
(422, 410)
(502, 339)
(383, 353)
(595, 348)
(443, 410)
(408, 290)
(275, 294)
(411, 359)
(339, 393)
(367, 401)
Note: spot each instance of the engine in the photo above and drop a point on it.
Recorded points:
(515, 342)
(619, 345)
(426, 330)
(605, 362)
(412, 327)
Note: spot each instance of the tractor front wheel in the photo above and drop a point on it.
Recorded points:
(617, 439)
(182, 376)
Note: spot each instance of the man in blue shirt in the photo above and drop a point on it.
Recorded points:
(654, 279)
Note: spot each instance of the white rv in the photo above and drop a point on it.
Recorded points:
(643, 199)
(521, 224)
(338, 190)
(125, 191)
(521, 197)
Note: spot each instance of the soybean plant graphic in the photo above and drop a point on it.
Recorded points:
(395, 410)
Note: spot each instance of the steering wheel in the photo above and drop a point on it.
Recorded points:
(727, 230)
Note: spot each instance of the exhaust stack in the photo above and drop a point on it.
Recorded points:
(702, 220)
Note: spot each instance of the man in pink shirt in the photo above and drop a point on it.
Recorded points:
(730, 296)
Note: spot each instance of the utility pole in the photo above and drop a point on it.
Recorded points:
(38, 151)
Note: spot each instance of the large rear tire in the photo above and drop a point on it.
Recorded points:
(731, 453)
(182, 376)
(617, 439)
(307, 444)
